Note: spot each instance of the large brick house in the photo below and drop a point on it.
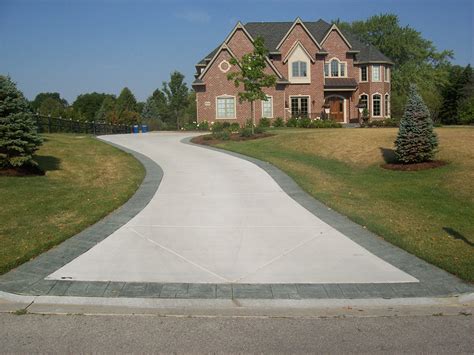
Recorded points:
(320, 71)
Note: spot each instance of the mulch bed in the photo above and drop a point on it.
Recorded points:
(207, 139)
(415, 167)
(23, 171)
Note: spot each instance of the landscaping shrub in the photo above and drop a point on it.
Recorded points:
(18, 136)
(264, 122)
(234, 127)
(223, 134)
(217, 127)
(292, 122)
(416, 142)
(325, 124)
(203, 126)
(259, 130)
(226, 124)
(279, 122)
(192, 126)
(304, 122)
(388, 122)
(246, 132)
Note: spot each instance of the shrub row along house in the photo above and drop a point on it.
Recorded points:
(320, 72)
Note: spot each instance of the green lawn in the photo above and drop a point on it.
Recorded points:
(85, 180)
(428, 213)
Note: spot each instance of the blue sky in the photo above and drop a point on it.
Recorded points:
(77, 46)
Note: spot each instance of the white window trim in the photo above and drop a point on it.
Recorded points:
(225, 96)
(339, 71)
(360, 74)
(388, 115)
(271, 100)
(309, 101)
(380, 73)
(386, 71)
(344, 104)
(372, 105)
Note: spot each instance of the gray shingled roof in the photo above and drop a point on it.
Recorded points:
(273, 33)
(339, 83)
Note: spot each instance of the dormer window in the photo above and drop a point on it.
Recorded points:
(299, 69)
(335, 69)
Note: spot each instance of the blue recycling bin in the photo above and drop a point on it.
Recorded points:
(144, 128)
(135, 128)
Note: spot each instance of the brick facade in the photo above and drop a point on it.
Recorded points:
(212, 78)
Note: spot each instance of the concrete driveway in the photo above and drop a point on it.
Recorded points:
(219, 219)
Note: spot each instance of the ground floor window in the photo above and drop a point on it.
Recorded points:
(376, 105)
(363, 100)
(299, 106)
(225, 107)
(387, 105)
(267, 107)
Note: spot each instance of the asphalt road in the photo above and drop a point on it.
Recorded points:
(81, 333)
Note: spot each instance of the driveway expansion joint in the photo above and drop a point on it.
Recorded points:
(29, 278)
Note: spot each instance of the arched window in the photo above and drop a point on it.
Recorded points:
(387, 105)
(299, 69)
(363, 100)
(335, 68)
(376, 105)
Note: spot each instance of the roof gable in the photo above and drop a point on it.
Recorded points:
(335, 28)
(295, 46)
(297, 22)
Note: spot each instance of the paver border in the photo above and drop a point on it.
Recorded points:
(28, 279)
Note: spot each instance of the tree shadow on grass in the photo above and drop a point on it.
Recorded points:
(388, 155)
(456, 235)
(48, 162)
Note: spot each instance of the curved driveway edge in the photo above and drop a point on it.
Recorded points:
(28, 279)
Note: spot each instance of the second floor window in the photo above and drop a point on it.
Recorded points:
(376, 73)
(386, 74)
(299, 70)
(363, 73)
(335, 69)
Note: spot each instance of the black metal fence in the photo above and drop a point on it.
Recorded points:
(48, 124)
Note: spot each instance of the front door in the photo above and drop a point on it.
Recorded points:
(299, 106)
(336, 109)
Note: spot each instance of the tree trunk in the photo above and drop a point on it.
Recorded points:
(252, 113)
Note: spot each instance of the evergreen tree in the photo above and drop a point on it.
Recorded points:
(416, 141)
(126, 101)
(18, 137)
(455, 92)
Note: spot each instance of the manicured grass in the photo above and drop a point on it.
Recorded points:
(86, 179)
(429, 213)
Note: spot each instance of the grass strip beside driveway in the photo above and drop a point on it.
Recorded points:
(85, 180)
(428, 213)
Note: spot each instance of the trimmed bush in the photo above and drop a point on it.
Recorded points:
(264, 122)
(226, 124)
(292, 122)
(416, 141)
(223, 134)
(217, 127)
(259, 130)
(246, 132)
(304, 122)
(234, 127)
(279, 122)
(203, 126)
